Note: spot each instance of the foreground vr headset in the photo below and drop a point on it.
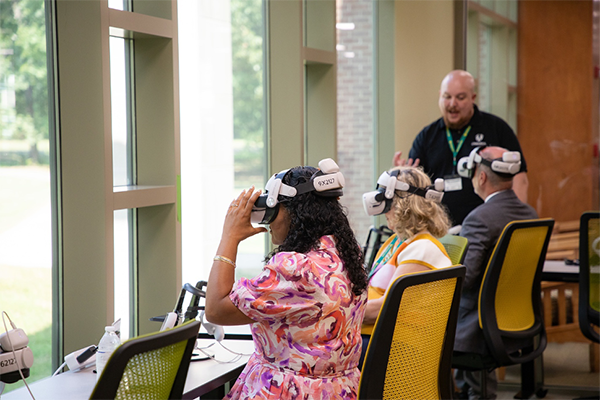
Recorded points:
(380, 201)
(328, 181)
(508, 165)
(14, 355)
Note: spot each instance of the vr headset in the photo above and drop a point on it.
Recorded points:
(380, 201)
(15, 355)
(508, 165)
(328, 181)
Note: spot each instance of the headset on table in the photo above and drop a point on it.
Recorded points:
(177, 316)
(328, 181)
(508, 165)
(16, 358)
(380, 201)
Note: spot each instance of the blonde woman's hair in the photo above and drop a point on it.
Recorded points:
(412, 213)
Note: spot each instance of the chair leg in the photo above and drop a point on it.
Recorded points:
(594, 357)
(483, 383)
(529, 383)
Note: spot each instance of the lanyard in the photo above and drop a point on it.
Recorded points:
(385, 256)
(460, 143)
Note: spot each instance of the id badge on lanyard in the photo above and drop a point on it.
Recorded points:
(454, 182)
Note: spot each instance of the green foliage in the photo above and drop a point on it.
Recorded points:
(247, 62)
(248, 101)
(23, 69)
(26, 297)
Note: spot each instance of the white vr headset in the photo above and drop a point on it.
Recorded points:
(508, 165)
(328, 181)
(380, 201)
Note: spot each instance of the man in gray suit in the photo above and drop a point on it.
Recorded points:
(492, 170)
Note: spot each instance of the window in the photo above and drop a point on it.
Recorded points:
(492, 56)
(123, 156)
(222, 125)
(25, 179)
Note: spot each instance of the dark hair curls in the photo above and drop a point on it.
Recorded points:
(313, 216)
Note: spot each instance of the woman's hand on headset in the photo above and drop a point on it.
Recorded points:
(237, 226)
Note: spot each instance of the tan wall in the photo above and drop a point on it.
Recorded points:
(424, 55)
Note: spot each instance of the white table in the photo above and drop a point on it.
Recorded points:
(203, 376)
(558, 271)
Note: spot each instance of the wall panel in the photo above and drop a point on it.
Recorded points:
(555, 80)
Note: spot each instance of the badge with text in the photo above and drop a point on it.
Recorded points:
(452, 183)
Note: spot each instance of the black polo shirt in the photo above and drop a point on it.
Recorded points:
(431, 147)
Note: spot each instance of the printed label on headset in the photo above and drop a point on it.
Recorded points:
(326, 182)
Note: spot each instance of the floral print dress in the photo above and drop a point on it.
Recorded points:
(307, 330)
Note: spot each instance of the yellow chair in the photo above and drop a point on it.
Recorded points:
(510, 310)
(410, 350)
(456, 247)
(152, 366)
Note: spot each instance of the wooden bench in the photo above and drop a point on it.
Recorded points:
(561, 299)
(561, 317)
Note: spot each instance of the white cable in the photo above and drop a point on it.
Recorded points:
(59, 369)
(13, 350)
(237, 357)
(200, 348)
(233, 352)
(212, 356)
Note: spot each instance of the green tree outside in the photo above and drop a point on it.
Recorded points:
(23, 71)
(248, 107)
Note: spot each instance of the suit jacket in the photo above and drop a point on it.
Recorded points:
(482, 227)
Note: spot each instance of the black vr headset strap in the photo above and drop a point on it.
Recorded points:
(309, 186)
(416, 190)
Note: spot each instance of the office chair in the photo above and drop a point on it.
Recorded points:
(152, 366)
(589, 274)
(456, 247)
(375, 238)
(510, 310)
(410, 350)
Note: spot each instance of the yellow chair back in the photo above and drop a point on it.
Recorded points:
(409, 353)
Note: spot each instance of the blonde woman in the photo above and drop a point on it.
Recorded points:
(413, 211)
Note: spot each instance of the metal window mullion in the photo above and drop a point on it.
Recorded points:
(132, 179)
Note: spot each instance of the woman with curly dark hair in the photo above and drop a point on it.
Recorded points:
(307, 306)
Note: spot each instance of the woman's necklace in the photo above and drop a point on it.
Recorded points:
(385, 255)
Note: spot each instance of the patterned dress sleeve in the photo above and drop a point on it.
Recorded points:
(283, 291)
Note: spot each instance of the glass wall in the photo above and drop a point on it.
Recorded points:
(25, 186)
(222, 125)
